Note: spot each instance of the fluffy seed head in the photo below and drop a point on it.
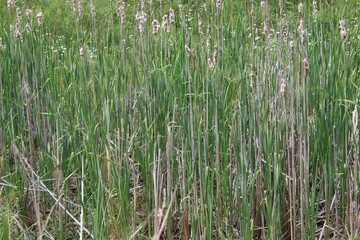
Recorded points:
(257, 38)
(355, 121)
(283, 83)
(201, 31)
(266, 30)
(263, 5)
(301, 26)
(291, 44)
(252, 13)
(188, 51)
(121, 12)
(208, 46)
(140, 18)
(93, 12)
(283, 87)
(181, 10)
(18, 18)
(218, 4)
(79, 8)
(216, 56)
(210, 64)
(10, 3)
(342, 24)
(156, 26)
(165, 23)
(28, 28)
(18, 32)
(143, 6)
(343, 32)
(252, 79)
(302, 31)
(172, 16)
(306, 67)
(82, 52)
(74, 6)
(40, 18)
(29, 13)
(315, 6)
(301, 8)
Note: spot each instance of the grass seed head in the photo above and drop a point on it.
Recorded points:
(74, 3)
(143, 6)
(40, 18)
(355, 121)
(283, 83)
(200, 24)
(141, 19)
(18, 16)
(208, 46)
(121, 12)
(29, 13)
(12, 28)
(181, 11)
(188, 51)
(28, 28)
(283, 87)
(292, 47)
(82, 52)
(315, 7)
(210, 64)
(18, 33)
(301, 8)
(216, 56)
(172, 16)
(252, 79)
(93, 11)
(252, 12)
(156, 26)
(79, 8)
(257, 37)
(266, 31)
(263, 5)
(10, 3)
(306, 67)
(1, 46)
(342, 24)
(302, 31)
(343, 32)
(218, 4)
(165, 23)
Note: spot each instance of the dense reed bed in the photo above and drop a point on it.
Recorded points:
(179, 120)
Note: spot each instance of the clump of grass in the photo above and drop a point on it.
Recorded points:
(222, 120)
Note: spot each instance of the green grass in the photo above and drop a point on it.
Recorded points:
(142, 139)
